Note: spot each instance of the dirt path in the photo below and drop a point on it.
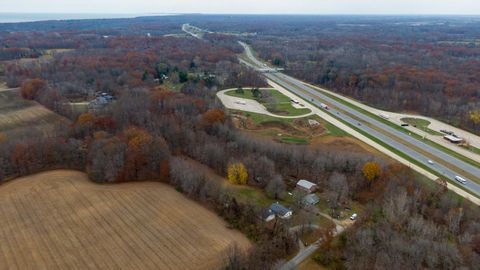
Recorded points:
(60, 220)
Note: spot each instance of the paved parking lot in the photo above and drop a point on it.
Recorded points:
(249, 105)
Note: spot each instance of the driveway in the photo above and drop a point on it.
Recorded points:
(306, 252)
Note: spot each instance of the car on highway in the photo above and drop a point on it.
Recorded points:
(405, 125)
(460, 179)
(325, 106)
(430, 162)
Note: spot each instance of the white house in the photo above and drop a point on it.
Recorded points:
(307, 186)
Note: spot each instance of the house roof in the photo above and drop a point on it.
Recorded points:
(267, 213)
(305, 184)
(311, 199)
(279, 209)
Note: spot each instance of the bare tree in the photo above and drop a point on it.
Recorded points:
(276, 187)
(338, 185)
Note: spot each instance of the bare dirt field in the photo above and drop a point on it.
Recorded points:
(60, 220)
(17, 116)
(345, 144)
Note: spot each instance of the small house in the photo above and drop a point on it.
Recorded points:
(268, 215)
(281, 211)
(307, 186)
(311, 199)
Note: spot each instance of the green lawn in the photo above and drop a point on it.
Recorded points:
(252, 195)
(473, 149)
(259, 118)
(335, 131)
(281, 105)
(421, 124)
(295, 140)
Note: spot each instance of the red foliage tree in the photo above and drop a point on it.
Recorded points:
(31, 88)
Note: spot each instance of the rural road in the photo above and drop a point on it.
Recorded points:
(375, 128)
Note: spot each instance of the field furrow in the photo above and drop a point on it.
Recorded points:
(60, 220)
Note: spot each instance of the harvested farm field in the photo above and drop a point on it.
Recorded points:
(19, 116)
(61, 220)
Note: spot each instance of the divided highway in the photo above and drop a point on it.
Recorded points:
(388, 135)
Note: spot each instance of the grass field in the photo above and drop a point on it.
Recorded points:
(19, 116)
(60, 220)
(421, 124)
(281, 106)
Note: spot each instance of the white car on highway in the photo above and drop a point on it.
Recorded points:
(430, 162)
(460, 179)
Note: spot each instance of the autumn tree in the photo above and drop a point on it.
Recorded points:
(475, 116)
(371, 171)
(146, 156)
(237, 174)
(31, 88)
(213, 116)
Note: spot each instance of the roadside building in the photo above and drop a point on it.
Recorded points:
(311, 199)
(453, 139)
(281, 211)
(307, 186)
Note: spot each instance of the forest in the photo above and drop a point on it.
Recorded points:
(426, 65)
(153, 132)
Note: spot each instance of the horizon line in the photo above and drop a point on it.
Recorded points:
(225, 13)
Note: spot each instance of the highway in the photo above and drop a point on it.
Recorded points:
(388, 135)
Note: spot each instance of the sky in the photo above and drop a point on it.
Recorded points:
(467, 7)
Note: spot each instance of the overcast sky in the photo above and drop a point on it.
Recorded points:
(245, 6)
